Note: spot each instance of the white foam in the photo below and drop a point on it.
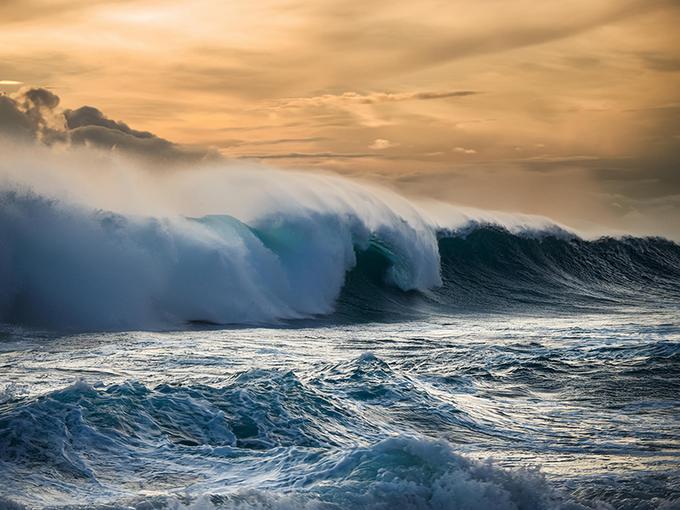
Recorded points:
(400, 472)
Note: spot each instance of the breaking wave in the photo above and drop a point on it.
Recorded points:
(64, 265)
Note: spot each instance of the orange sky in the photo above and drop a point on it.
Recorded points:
(567, 108)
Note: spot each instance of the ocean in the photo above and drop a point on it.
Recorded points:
(340, 352)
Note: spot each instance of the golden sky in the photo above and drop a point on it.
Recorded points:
(567, 108)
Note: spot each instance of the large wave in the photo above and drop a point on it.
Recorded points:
(261, 247)
(64, 265)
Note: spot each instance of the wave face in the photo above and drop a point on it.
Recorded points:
(487, 268)
(490, 266)
(68, 266)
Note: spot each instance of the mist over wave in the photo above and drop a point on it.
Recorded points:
(117, 246)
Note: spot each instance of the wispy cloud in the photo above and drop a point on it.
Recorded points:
(282, 141)
(370, 98)
(309, 155)
(463, 150)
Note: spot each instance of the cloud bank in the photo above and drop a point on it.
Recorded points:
(33, 115)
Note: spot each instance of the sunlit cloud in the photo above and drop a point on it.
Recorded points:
(463, 150)
(372, 98)
(308, 155)
(381, 144)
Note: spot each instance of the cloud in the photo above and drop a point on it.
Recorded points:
(151, 147)
(281, 141)
(659, 62)
(371, 98)
(359, 108)
(545, 159)
(32, 115)
(381, 144)
(40, 98)
(10, 82)
(463, 150)
(14, 123)
(89, 126)
(28, 115)
(425, 96)
(90, 116)
(309, 155)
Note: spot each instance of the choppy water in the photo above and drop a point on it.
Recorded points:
(398, 415)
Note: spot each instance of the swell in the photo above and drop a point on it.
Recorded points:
(66, 266)
(488, 268)
(491, 266)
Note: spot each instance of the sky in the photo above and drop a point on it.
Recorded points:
(569, 109)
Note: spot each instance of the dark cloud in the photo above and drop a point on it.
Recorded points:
(14, 123)
(641, 176)
(29, 116)
(41, 98)
(91, 116)
(443, 95)
(148, 147)
(663, 63)
(32, 115)
(647, 168)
